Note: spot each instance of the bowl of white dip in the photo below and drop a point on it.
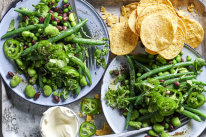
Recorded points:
(59, 122)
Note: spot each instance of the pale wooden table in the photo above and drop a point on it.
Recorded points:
(4, 6)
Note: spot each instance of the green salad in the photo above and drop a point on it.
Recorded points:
(155, 92)
(50, 51)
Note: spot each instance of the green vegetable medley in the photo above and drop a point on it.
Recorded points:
(155, 92)
(48, 48)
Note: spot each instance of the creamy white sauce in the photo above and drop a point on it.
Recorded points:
(59, 122)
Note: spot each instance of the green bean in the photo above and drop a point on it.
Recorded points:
(164, 68)
(15, 81)
(54, 39)
(196, 111)
(68, 32)
(47, 90)
(190, 115)
(87, 41)
(30, 91)
(170, 81)
(40, 81)
(148, 116)
(132, 83)
(141, 66)
(82, 65)
(19, 30)
(176, 122)
(194, 81)
(47, 20)
(184, 97)
(169, 76)
(28, 12)
(139, 99)
(158, 128)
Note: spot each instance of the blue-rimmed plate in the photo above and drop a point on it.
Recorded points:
(117, 121)
(95, 27)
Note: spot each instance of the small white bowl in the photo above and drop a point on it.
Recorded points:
(49, 112)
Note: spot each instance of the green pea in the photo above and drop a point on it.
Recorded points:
(83, 81)
(71, 17)
(189, 58)
(31, 35)
(31, 72)
(135, 115)
(139, 74)
(66, 10)
(55, 93)
(165, 134)
(54, 87)
(47, 90)
(35, 38)
(126, 82)
(65, 24)
(166, 73)
(69, 7)
(152, 133)
(172, 71)
(161, 59)
(30, 44)
(55, 14)
(181, 53)
(166, 126)
(158, 128)
(73, 23)
(30, 91)
(183, 70)
(60, 18)
(178, 58)
(146, 123)
(37, 34)
(40, 30)
(154, 66)
(159, 118)
(15, 81)
(176, 121)
(167, 120)
(26, 33)
(54, 23)
(174, 61)
(65, 1)
(160, 74)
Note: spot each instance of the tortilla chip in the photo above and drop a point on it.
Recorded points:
(122, 39)
(156, 9)
(127, 10)
(157, 32)
(176, 46)
(150, 52)
(132, 21)
(112, 20)
(195, 32)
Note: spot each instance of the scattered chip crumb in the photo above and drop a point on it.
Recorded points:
(190, 8)
(96, 96)
(102, 9)
(179, 8)
(105, 131)
(123, 10)
(106, 15)
(196, 10)
(89, 118)
(80, 114)
(112, 20)
(180, 13)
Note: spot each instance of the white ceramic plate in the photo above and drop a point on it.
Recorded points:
(117, 121)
